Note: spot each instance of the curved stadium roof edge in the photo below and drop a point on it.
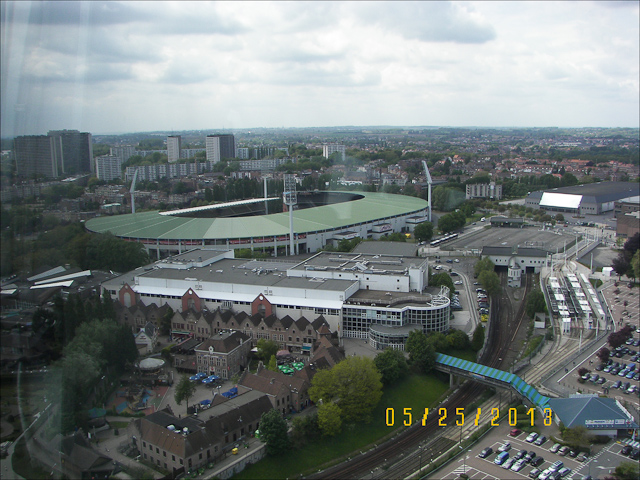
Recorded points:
(371, 207)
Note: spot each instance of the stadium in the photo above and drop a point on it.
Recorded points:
(319, 219)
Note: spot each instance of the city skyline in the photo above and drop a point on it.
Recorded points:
(114, 67)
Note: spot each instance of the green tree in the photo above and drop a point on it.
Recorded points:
(477, 342)
(627, 471)
(353, 384)
(266, 349)
(482, 265)
(391, 364)
(635, 264)
(304, 429)
(440, 279)
(273, 432)
(329, 419)
(490, 282)
(438, 341)
(273, 364)
(577, 437)
(535, 303)
(165, 322)
(184, 390)
(423, 231)
(422, 355)
(458, 340)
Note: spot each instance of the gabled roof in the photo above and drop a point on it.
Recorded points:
(223, 343)
(269, 385)
(592, 412)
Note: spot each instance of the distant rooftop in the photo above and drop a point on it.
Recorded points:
(362, 262)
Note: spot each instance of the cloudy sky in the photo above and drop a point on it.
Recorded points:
(110, 67)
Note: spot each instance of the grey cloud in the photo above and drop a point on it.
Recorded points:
(85, 13)
(322, 76)
(427, 21)
(91, 74)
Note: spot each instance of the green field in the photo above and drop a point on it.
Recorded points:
(415, 392)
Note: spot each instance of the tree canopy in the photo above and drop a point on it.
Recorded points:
(423, 232)
(184, 390)
(490, 282)
(422, 354)
(354, 385)
(391, 364)
(273, 432)
(266, 349)
(535, 303)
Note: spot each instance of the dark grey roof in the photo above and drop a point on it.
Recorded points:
(591, 412)
(506, 220)
(600, 192)
(387, 248)
(509, 251)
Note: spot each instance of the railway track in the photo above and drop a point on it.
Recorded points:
(417, 445)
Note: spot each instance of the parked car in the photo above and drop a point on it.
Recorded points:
(501, 458)
(515, 432)
(626, 450)
(635, 454)
(485, 452)
(582, 457)
(616, 384)
(555, 448)
(519, 465)
(508, 463)
(555, 466)
(536, 462)
(563, 451)
(540, 440)
(520, 454)
(530, 456)
(572, 453)
(505, 447)
(545, 475)
(531, 437)
(535, 473)
(564, 471)
(601, 381)
(599, 367)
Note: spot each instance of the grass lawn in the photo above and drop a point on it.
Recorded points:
(415, 392)
(463, 354)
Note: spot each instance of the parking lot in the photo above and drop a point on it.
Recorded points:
(603, 460)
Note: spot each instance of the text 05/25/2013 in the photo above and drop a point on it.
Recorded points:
(442, 417)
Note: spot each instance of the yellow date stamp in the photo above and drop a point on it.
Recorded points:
(442, 417)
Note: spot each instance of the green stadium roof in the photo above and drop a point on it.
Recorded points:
(151, 225)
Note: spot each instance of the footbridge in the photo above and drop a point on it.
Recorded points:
(490, 376)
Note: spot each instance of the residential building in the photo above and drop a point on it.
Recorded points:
(174, 148)
(331, 148)
(484, 190)
(34, 156)
(72, 151)
(173, 443)
(125, 152)
(108, 167)
(220, 147)
(224, 355)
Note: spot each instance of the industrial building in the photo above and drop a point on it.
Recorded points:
(380, 298)
(590, 198)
